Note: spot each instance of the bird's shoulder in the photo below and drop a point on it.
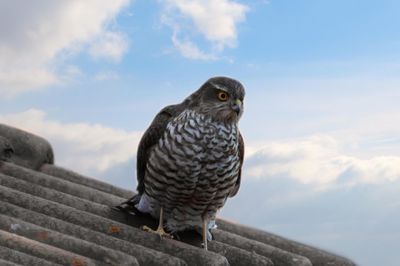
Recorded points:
(161, 120)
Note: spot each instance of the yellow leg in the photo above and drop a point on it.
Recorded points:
(204, 234)
(160, 229)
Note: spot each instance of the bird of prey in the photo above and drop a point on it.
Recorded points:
(189, 160)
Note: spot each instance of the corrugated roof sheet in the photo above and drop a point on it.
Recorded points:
(53, 216)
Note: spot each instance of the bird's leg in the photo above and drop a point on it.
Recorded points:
(160, 229)
(204, 233)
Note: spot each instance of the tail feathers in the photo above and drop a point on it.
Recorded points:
(129, 206)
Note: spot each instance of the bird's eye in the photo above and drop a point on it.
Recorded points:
(222, 96)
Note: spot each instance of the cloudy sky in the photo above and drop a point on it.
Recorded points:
(322, 114)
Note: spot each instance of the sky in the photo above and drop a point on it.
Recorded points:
(321, 128)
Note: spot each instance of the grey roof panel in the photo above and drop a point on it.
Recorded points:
(19, 258)
(7, 263)
(46, 252)
(145, 256)
(50, 215)
(71, 176)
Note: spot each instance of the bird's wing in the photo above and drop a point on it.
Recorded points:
(241, 156)
(151, 137)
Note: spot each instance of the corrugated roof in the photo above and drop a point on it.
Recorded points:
(53, 216)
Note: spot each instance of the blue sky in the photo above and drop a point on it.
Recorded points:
(321, 109)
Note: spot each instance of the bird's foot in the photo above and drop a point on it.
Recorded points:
(160, 231)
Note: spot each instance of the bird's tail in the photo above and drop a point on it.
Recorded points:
(129, 206)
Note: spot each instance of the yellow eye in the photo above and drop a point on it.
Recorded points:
(222, 96)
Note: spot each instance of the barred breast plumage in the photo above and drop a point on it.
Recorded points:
(192, 170)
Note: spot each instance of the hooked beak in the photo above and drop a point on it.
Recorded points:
(237, 106)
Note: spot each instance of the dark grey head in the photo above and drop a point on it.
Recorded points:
(219, 97)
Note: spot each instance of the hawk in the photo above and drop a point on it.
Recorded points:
(189, 160)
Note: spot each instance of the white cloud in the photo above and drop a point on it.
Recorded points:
(109, 45)
(33, 35)
(216, 21)
(320, 161)
(190, 50)
(18, 80)
(72, 72)
(86, 148)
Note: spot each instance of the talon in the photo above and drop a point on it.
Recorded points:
(160, 231)
(147, 229)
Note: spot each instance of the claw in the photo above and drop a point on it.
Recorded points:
(160, 231)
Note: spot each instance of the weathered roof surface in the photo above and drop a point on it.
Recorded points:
(52, 216)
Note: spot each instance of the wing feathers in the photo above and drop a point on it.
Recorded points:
(151, 137)
(241, 156)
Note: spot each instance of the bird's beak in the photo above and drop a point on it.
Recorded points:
(237, 106)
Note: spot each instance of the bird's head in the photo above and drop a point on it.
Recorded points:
(221, 98)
